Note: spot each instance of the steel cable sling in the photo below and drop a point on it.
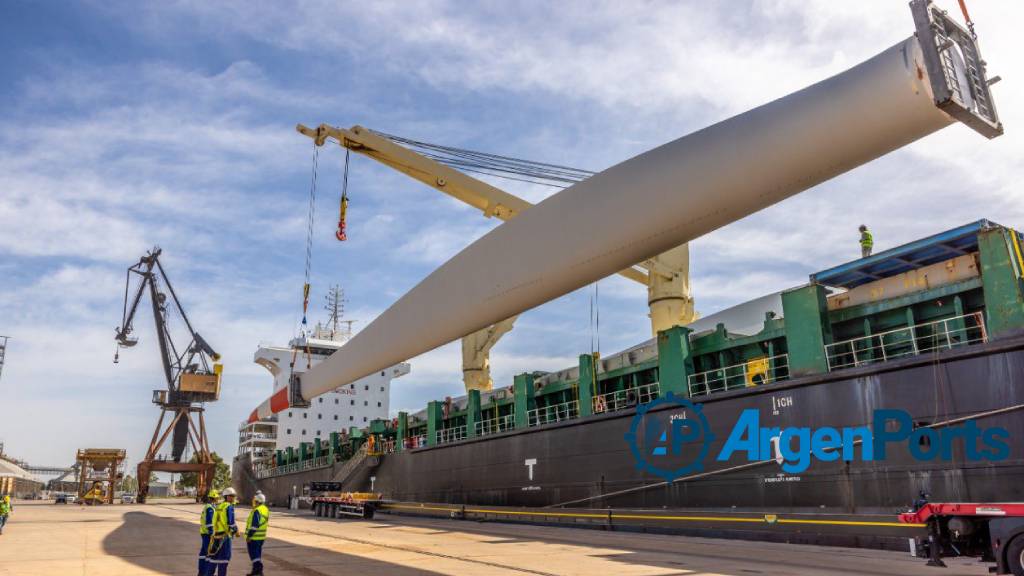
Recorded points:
(507, 167)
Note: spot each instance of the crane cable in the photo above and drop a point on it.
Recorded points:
(967, 18)
(343, 205)
(507, 167)
(311, 219)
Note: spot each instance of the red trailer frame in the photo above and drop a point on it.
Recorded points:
(993, 532)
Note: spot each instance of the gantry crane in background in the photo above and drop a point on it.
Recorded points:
(99, 474)
(191, 372)
(666, 276)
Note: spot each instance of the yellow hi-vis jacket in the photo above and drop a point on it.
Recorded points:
(224, 520)
(866, 239)
(256, 524)
(206, 519)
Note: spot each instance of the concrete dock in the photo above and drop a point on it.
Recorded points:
(163, 538)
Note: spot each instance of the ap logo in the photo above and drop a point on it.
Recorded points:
(670, 443)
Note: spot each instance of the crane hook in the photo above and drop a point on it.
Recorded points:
(340, 234)
(343, 205)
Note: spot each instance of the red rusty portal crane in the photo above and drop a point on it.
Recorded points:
(191, 373)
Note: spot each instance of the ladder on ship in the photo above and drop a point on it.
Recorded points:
(354, 463)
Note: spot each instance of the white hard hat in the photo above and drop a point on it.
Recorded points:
(228, 492)
(259, 497)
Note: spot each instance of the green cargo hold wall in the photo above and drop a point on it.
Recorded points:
(808, 329)
(1001, 273)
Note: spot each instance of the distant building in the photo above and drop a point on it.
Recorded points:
(16, 482)
(159, 489)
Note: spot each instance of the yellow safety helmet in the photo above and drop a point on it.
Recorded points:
(7, 498)
(212, 495)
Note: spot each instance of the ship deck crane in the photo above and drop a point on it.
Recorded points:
(191, 372)
(699, 183)
(666, 275)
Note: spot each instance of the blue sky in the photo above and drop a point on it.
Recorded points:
(126, 125)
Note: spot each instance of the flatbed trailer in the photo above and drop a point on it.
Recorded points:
(344, 506)
(991, 532)
(330, 502)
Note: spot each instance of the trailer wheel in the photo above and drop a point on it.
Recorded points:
(1015, 556)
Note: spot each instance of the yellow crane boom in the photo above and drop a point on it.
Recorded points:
(666, 276)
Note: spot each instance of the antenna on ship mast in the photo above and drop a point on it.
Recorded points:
(335, 307)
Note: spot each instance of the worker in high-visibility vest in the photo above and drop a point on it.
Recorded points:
(5, 511)
(206, 528)
(224, 528)
(256, 532)
(867, 242)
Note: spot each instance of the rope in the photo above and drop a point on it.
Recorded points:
(311, 218)
(506, 167)
(967, 18)
(343, 204)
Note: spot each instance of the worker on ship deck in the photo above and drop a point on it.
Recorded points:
(224, 528)
(256, 532)
(5, 511)
(206, 528)
(867, 242)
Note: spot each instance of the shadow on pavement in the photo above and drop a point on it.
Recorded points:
(168, 545)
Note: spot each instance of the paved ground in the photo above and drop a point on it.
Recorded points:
(44, 539)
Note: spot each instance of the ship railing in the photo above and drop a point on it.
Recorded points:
(416, 441)
(625, 399)
(453, 434)
(908, 341)
(257, 454)
(310, 464)
(496, 425)
(554, 413)
(260, 436)
(753, 372)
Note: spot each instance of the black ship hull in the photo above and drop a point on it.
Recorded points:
(588, 462)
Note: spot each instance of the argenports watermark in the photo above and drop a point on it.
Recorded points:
(680, 440)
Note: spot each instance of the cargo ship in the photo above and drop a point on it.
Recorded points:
(934, 327)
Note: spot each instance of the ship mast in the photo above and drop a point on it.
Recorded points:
(335, 306)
